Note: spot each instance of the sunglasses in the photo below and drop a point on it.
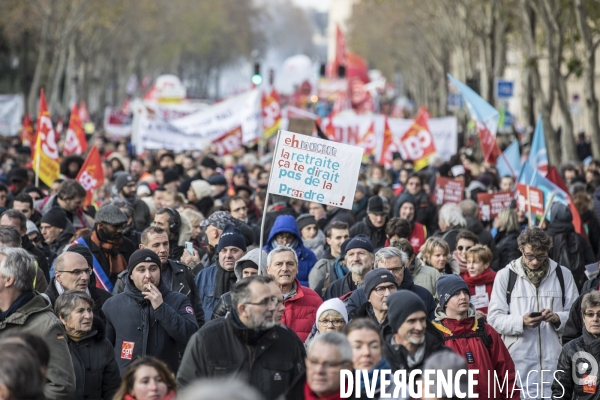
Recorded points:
(465, 248)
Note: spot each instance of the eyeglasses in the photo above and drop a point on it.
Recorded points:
(267, 301)
(461, 248)
(592, 315)
(335, 322)
(325, 364)
(381, 289)
(78, 272)
(531, 257)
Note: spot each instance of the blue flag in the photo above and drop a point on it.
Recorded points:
(510, 161)
(530, 176)
(538, 156)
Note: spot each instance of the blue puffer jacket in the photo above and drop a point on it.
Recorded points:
(306, 258)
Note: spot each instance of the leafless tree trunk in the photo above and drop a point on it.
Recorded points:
(589, 67)
(42, 53)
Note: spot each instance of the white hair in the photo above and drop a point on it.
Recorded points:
(336, 339)
(218, 388)
(281, 249)
(386, 253)
(450, 215)
(19, 264)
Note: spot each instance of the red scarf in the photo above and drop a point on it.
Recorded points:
(309, 395)
(169, 396)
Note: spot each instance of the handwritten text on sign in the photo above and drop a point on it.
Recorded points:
(490, 204)
(316, 170)
(448, 190)
(536, 199)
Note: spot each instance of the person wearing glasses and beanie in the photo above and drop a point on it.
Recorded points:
(246, 344)
(529, 307)
(331, 317)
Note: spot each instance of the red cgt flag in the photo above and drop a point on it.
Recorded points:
(229, 142)
(75, 142)
(91, 176)
(27, 134)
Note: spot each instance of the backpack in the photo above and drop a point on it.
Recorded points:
(512, 279)
(479, 332)
(571, 260)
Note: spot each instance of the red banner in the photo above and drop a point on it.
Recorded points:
(417, 142)
(229, 142)
(536, 198)
(75, 142)
(271, 113)
(447, 190)
(490, 204)
(91, 176)
(27, 135)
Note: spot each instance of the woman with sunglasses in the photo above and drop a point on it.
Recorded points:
(464, 241)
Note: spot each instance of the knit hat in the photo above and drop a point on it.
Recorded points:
(362, 188)
(360, 242)
(140, 256)
(56, 217)
(170, 175)
(231, 236)
(218, 219)
(209, 162)
(111, 214)
(18, 174)
(217, 179)
(447, 286)
(240, 169)
(401, 305)
(31, 227)
(406, 197)
(143, 189)
(375, 205)
(122, 179)
(84, 251)
(376, 277)
(305, 220)
(201, 188)
(333, 304)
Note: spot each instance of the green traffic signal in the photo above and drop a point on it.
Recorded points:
(257, 79)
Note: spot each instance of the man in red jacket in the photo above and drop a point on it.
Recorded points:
(301, 303)
(474, 340)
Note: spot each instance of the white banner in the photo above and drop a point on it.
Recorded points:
(196, 130)
(315, 169)
(12, 109)
(116, 122)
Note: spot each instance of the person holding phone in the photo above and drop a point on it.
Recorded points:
(529, 307)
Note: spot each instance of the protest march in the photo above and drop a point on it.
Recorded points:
(299, 200)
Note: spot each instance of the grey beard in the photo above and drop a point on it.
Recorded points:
(358, 270)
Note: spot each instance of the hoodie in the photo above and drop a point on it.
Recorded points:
(306, 258)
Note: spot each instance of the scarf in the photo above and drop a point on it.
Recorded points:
(417, 358)
(485, 278)
(292, 245)
(461, 264)
(23, 299)
(310, 395)
(357, 207)
(591, 342)
(340, 269)
(293, 291)
(536, 276)
(110, 248)
(60, 289)
(223, 281)
(383, 364)
(169, 396)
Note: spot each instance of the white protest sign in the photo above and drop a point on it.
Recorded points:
(12, 109)
(314, 169)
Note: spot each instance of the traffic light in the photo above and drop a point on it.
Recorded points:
(257, 78)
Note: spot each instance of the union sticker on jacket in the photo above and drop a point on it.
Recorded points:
(127, 350)
(189, 310)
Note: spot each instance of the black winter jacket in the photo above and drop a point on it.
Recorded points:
(96, 371)
(126, 249)
(182, 281)
(39, 256)
(268, 360)
(563, 386)
(507, 249)
(574, 325)
(397, 355)
(365, 227)
(485, 237)
(366, 311)
(340, 287)
(131, 321)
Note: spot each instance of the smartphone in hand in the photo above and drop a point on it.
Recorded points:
(535, 314)
(190, 248)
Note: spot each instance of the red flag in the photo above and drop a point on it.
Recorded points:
(27, 135)
(84, 116)
(554, 177)
(59, 127)
(388, 146)
(368, 141)
(91, 176)
(229, 141)
(271, 113)
(417, 142)
(489, 146)
(341, 53)
(75, 142)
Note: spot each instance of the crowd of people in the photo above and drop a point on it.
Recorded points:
(161, 289)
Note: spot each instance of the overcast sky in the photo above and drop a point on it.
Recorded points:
(321, 5)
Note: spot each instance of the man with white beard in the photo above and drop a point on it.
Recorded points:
(359, 260)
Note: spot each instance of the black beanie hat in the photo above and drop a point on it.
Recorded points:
(401, 305)
(343, 248)
(375, 277)
(231, 236)
(375, 205)
(142, 255)
(447, 286)
(55, 217)
(209, 162)
(360, 242)
(305, 220)
(84, 251)
(248, 264)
